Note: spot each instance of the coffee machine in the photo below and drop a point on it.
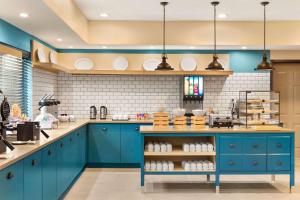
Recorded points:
(29, 131)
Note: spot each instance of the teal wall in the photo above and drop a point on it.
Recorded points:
(16, 37)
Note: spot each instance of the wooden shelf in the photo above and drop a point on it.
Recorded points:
(180, 170)
(258, 101)
(141, 72)
(179, 153)
(259, 111)
(49, 67)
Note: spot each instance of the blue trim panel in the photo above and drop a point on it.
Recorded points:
(113, 165)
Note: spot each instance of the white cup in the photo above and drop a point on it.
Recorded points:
(171, 166)
(193, 166)
(199, 166)
(147, 166)
(198, 147)
(205, 166)
(210, 147)
(153, 166)
(192, 147)
(187, 166)
(211, 166)
(150, 147)
(165, 166)
(163, 147)
(186, 147)
(157, 147)
(169, 147)
(159, 166)
(204, 147)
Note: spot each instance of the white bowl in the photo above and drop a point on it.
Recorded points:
(178, 112)
(199, 112)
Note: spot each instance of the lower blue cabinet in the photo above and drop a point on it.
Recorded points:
(62, 166)
(255, 163)
(49, 172)
(130, 143)
(279, 162)
(104, 143)
(12, 182)
(231, 162)
(33, 177)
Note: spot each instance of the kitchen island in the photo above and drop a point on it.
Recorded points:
(236, 150)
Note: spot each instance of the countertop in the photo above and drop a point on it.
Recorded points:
(64, 128)
(236, 129)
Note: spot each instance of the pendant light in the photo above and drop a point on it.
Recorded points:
(265, 64)
(215, 65)
(164, 65)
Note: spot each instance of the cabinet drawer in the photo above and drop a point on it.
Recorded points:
(279, 144)
(279, 162)
(255, 145)
(231, 163)
(255, 163)
(231, 145)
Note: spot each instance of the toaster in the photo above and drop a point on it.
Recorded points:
(28, 131)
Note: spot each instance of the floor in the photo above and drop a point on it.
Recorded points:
(114, 184)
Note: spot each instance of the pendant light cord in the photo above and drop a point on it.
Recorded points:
(215, 32)
(264, 29)
(164, 32)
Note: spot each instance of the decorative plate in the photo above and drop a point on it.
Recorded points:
(120, 63)
(84, 64)
(188, 64)
(41, 56)
(151, 64)
(53, 57)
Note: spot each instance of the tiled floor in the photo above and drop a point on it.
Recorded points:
(123, 184)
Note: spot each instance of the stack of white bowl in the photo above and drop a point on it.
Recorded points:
(159, 147)
(198, 147)
(163, 166)
(200, 165)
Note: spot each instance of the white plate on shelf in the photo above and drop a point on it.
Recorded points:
(84, 64)
(151, 64)
(41, 55)
(188, 64)
(53, 57)
(120, 63)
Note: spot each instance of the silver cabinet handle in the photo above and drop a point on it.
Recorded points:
(231, 146)
(255, 146)
(104, 129)
(255, 163)
(279, 145)
(279, 163)
(231, 163)
(137, 128)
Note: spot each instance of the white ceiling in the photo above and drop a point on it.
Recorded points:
(45, 25)
(188, 9)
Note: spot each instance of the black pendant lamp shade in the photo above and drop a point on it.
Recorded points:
(215, 65)
(164, 65)
(265, 64)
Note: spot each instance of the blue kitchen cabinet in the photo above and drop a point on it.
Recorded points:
(130, 143)
(49, 172)
(104, 143)
(279, 144)
(33, 176)
(62, 166)
(12, 182)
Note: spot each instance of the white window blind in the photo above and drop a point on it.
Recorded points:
(11, 79)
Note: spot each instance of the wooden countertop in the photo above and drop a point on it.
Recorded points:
(64, 128)
(151, 129)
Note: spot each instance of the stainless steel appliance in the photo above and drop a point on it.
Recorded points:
(103, 112)
(93, 112)
(219, 120)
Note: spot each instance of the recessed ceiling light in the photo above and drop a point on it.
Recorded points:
(244, 47)
(151, 47)
(59, 40)
(192, 47)
(222, 16)
(24, 15)
(104, 47)
(103, 15)
(71, 47)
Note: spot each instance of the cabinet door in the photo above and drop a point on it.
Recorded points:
(33, 176)
(104, 143)
(130, 143)
(49, 172)
(11, 182)
(231, 163)
(279, 162)
(231, 145)
(279, 144)
(62, 168)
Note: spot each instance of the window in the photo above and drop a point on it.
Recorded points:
(15, 81)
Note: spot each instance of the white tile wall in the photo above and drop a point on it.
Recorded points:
(131, 94)
(43, 83)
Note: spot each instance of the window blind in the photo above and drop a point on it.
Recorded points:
(11, 79)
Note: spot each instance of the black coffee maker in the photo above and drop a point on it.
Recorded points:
(29, 131)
